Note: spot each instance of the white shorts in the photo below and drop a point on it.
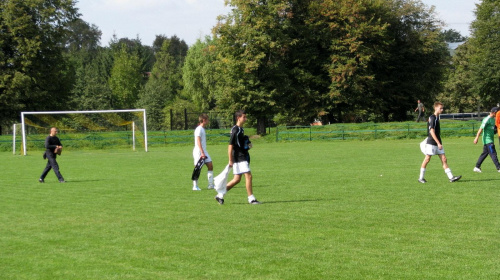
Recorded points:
(241, 167)
(197, 156)
(429, 149)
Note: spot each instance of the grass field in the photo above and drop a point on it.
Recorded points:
(331, 210)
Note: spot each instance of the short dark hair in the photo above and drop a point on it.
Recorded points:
(202, 117)
(239, 113)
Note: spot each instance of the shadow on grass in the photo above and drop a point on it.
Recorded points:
(289, 201)
(479, 180)
(83, 181)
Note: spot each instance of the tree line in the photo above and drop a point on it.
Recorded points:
(286, 62)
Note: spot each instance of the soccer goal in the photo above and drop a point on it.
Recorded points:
(16, 129)
(86, 129)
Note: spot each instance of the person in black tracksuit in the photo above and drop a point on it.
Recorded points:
(51, 143)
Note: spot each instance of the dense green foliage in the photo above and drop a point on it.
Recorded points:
(33, 72)
(161, 88)
(473, 82)
(286, 62)
(485, 43)
(198, 74)
(453, 36)
(331, 210)
(307, 59)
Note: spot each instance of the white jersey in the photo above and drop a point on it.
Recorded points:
(200, 132)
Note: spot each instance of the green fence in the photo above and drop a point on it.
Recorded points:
(156, 138)
(369, 131)
(111, 140)
(361, 131)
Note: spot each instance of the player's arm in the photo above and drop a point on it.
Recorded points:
(477, 135)
(497, 123)
(433, 134)
(198, 142)
(230, 154)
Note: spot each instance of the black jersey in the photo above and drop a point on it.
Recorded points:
(51, 142)
(433, 123)
(237, 140)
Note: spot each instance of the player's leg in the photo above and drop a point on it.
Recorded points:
(493, 154)
(426, 161)
(444, 161)
(481, 158)
(421, 178)
(48, 167)
(248, 185)
(447, 169)
(210, 172)
(196, 158)
(55, 167)
(210, 175)
(236, 179)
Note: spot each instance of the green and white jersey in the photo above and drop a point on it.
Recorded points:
(488, 126)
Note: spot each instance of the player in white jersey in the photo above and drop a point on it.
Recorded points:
(200, 151)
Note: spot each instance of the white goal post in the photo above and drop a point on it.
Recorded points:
(23, 126)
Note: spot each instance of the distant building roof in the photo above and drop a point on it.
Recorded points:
(453, 46)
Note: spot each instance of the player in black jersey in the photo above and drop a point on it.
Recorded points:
(433, 145)
(239, 158)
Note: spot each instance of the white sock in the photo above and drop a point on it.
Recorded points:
(195, 183)
(251, 198)
(422, 173)
(210, 175)
(448, 172)
(220, 195)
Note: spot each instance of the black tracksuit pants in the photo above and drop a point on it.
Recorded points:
(488, 149)
(51, 164)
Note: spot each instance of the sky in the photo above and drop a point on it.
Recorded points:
(193, 19)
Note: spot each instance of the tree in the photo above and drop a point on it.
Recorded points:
(459, 94)
(135, 47)
(415, 63)
(385, 56)
(356, 38)
(33, 72)
(82, 36)
(261, 60)
(177, 48)
(452, 36)
(484, 45)
(162, 87)
(198, 74)
(126, 79)
(296, 60)
(91, 89)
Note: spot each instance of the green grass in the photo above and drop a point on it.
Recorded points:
(331, 210)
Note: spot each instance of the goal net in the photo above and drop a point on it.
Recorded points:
(86, 129)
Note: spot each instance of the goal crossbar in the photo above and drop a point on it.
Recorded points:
(83, 112)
